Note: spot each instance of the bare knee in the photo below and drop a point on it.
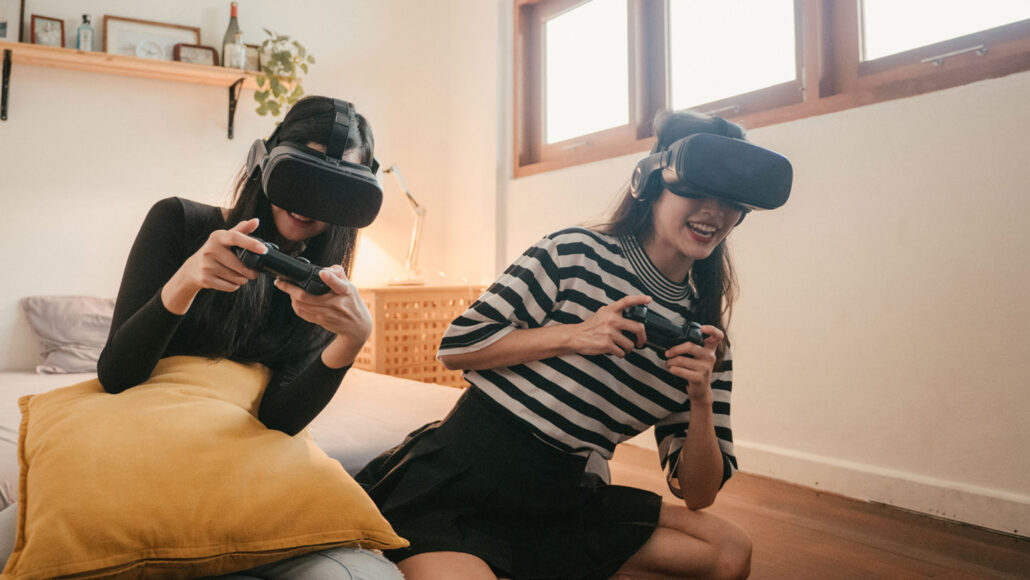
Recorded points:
(734, 555)
(444, 566)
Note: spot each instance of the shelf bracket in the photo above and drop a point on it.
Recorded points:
(234, 97)
(6, 84)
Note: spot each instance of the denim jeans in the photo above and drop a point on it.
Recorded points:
(333, 564)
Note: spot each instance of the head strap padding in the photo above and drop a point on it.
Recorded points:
(344, 122)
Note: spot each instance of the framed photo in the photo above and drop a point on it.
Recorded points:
(146, 38)
(195, 54)
(47, 31)
(10, 20)
(252, 60)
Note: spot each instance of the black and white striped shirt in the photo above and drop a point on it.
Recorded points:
(581, 403)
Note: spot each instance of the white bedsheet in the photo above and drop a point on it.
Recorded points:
(370, 413)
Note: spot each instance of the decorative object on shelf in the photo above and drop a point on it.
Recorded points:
(230, 52)
(238, 51)
(252, 58)
(146, 38)
(47, 31)
(414, 275)
(84, 35)
(283, 62)
(10, 20)
(195, 54)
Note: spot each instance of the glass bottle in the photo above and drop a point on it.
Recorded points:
(84, 35)
(229, 51)
(239, 56)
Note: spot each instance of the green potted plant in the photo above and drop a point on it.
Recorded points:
(283, 64)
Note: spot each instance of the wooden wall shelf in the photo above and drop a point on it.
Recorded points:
(22, 53)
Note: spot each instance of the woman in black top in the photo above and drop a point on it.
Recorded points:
(185, 292)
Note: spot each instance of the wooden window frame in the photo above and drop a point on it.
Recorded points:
(831, 76)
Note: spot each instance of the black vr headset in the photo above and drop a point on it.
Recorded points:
(709, 165)
(319, 185)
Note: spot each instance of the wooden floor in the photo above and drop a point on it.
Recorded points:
(801, 533)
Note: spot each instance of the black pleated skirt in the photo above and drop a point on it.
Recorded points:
(481, 482)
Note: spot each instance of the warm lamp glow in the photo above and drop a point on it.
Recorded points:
(373, 266)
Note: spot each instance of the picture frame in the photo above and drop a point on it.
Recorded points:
(146, 38)
(195, 54)
(11, 12)
(252, 60)
(47, 31)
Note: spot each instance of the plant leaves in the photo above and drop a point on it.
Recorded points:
(279, 85)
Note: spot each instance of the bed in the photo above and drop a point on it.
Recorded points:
(370, 413)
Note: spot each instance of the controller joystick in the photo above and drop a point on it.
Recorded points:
(298, 271)
(662, 333)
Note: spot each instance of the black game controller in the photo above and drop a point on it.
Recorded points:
(662, 333)
(297, 271)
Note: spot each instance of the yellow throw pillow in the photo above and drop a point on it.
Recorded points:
(176, 478)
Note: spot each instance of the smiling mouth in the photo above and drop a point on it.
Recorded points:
(300, 218)
(704, 231)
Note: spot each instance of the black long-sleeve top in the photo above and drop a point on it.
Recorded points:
(143, 331)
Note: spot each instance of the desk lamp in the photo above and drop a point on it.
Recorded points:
(414, 275)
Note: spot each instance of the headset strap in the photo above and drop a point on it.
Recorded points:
(343, 125)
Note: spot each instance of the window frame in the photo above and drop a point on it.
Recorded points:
(831, 76)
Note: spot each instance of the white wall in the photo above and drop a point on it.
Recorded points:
(883, 331)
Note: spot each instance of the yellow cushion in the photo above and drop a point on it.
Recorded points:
(176, 478)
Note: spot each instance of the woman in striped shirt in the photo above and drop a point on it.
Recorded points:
(513, 483)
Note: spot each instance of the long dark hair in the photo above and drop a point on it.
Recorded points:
(233, 320)
(713, 278)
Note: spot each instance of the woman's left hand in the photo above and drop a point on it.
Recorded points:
(340, 311)
(696, 363)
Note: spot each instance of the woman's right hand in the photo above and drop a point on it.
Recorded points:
(215, 265)
(602, 333)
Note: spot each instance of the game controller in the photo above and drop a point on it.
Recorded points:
(298, 271)
(662, 333)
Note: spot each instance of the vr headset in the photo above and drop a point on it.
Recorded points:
(708, 165)
(319, 185)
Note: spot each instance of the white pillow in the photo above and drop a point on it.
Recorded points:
(71, 330)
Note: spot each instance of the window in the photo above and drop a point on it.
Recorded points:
(586, 70)
(894, 26)
(753, 39)
(591, 74)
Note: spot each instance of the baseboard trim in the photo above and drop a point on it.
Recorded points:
(980, 506)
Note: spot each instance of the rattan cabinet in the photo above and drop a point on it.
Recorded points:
(407, 324)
